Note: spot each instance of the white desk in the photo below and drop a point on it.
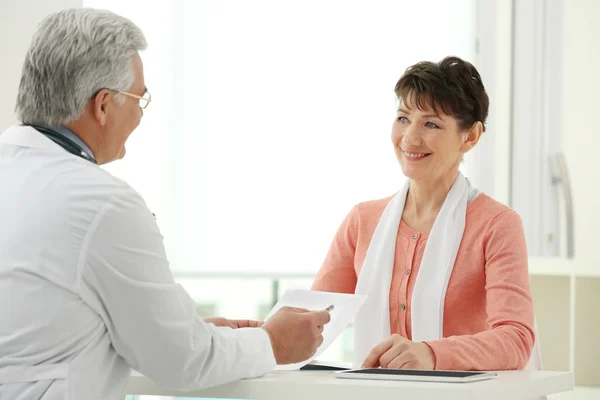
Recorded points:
(303, 385)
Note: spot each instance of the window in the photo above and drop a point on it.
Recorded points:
(271, 119)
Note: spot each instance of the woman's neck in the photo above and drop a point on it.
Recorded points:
(425, 198)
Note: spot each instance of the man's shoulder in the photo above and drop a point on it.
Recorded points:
(83, 189)
(94, 180)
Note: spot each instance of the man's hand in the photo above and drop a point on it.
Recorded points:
(400, 353)
(295, 333)
(233, 323)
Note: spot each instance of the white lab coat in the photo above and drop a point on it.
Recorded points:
(86, 291)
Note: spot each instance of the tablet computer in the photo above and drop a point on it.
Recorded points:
(415, 375)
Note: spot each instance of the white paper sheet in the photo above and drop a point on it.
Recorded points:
(346, 307)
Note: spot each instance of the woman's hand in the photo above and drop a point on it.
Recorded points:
(233, 323)
(400, 353)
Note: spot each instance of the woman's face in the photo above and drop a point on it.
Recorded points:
(429, 144)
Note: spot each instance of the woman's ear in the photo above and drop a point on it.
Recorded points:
(472, 137)
(101, 102)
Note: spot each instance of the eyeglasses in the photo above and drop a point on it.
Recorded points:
(144, 101)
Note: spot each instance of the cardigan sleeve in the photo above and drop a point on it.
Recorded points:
(508, 342)
(337, 274)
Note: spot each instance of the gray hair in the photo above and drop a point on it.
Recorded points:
(74, 54)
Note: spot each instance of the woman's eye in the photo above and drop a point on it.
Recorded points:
(431, 125)
(402, 119)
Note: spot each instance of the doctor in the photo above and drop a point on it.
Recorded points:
(85, 287)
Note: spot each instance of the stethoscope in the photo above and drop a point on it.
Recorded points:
(64, 142)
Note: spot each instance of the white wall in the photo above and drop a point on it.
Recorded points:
(18, 20)
(580, 127)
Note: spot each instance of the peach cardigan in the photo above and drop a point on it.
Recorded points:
(488, 311)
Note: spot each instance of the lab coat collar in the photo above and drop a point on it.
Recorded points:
(26, 136)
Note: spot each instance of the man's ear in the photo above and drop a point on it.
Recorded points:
(100, 105)
(472, 137)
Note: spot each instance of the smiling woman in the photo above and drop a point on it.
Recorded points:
(442, 114)
(439, 260)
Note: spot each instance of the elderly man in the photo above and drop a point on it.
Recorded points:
(85, 287)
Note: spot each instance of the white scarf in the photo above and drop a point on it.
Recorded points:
(372, 323)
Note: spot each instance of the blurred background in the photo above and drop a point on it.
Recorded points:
(270, 119)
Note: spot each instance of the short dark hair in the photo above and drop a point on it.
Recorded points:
(452, 85)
